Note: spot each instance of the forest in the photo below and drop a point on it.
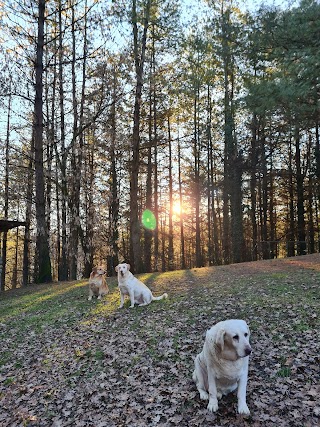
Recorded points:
(166, 134)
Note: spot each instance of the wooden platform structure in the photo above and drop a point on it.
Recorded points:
(6, 225)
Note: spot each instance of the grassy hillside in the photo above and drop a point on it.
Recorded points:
(65, 361)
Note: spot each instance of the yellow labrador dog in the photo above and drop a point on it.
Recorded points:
(222, 366)
(138, 292)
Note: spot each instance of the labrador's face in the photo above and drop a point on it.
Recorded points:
(233, 340)
(122, 269)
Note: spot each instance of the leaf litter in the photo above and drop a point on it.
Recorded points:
(98, 366)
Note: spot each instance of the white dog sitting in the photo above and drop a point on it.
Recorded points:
(222, 366)
(138, 292)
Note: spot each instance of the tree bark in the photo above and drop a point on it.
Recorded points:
(139, 58)
(301, 245)
(290, 233)
(148, 233)
(114, 205)
(6, 198)
(43, 262)
(170, 237)
(26, 240)
(74, 199)
(182, 243)
(196, 189)
(63, 262)
(253, 187)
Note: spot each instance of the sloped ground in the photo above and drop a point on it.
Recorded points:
(65, 361)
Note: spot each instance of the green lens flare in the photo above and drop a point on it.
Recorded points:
(149, 220)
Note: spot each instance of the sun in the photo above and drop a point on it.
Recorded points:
(176, 208)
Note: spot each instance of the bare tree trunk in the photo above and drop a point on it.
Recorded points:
(6, 197)
(182, 243)
(217, 221)
(238, 249)
(49, 147)
(63, 264)
(87, 243)
(29, 195)
(139, 58)
(14, 279)
(273, 248)
(148, 233)
(264, 200)
(301, 248)
(163, 244)
(196, 189)
(235, 170)
(74, 201)
(311, 225)
(232, 161)
(290, 233)
(228, 149)
(114, 204)
(170, 237)
(155, 192)
(253, 186)
(210, 199)
(317, 157)
(43, 263)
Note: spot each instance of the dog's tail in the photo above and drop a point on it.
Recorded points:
(165, 295)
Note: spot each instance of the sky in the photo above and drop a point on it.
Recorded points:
(255, 4)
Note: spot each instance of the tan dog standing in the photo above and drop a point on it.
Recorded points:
(138, 292)
(222, 366)
(97, 283)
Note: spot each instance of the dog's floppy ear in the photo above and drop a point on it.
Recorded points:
(116, 268)
(219, 339)
(128, 266)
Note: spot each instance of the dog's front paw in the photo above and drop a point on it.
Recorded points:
(213, 405)
(89, 298)
(131, 306)
(99, 297)
(243, 408)
(204, 395)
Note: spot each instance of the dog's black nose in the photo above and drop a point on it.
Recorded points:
(248, 351)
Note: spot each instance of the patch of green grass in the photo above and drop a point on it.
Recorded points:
(55, 304)
(300, 326)
(5, 357)
(9, 381)
(38, 309)
(284, 372)
(99, 354)
(102, 308)
(278, 275)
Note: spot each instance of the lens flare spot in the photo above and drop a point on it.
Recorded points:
(148, 220)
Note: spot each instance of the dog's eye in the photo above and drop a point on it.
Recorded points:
(246, 334)
(236, 337)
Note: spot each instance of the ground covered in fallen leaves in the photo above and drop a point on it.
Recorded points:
(65, 361)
